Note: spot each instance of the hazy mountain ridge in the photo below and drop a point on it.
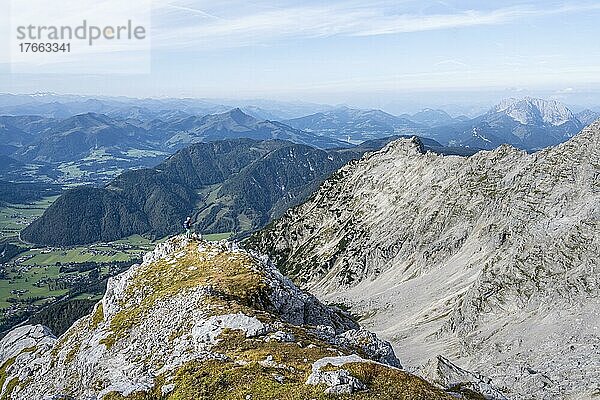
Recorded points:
(93, 148)
(462, 256)
(79, 136)
(532, 111)
(76, 137)
(528, 123)
(433, 118)
(54, 105)
(588, 116)
(355, 125)
(235, 124)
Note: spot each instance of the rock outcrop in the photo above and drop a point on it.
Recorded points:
(201, 320)
(444, 373)
(490, 260)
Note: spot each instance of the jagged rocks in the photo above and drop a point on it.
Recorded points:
(454, 379)
(25, 337)
(196, 320)
(338, 381)
(378, 350)
(19, 347)
(490, 260)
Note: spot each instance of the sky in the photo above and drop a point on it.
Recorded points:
(369, 53)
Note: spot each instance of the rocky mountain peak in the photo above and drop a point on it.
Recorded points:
(205, 320)
(404, 147)
(241, 117)
(532, 111)
(460, 256)
(588, 116)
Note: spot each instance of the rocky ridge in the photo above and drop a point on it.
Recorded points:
(491, 260)
(528, 123)
(202, 320)
(530, 111)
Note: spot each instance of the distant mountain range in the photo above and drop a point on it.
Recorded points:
(94, 147)
(117, 134)
(78, 137)
(51, 140)
(528, 124)
(354, 125)
(432, 118)
(587, 116)
(232, 125)
(60, 106)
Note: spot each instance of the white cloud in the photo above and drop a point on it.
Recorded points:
(453, 63)
(417, 23)
(565, 90)
(193, 11)
(255, 26)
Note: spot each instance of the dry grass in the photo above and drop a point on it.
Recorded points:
(237, 287)
(230, 276)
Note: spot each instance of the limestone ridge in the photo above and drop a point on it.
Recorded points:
(490, 260)
(531, 111)
(205, 320)
(527, 123)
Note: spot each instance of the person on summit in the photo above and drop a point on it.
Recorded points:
(188, 227)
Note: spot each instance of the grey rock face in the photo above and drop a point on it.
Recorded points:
(588, 116)
(377, 349)
(298, 307)
(147, 326)
(490, 260)
(338, 381)
(24, 337)
(531, 111)
(448, 375)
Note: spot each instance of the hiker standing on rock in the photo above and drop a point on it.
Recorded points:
(188, 227)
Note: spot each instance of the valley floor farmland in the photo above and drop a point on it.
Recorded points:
(41, 276)
(38, 278)
(14, 217)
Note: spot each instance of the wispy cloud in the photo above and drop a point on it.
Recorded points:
(417, 23)
(337, 19)
(200, 24)
(252, 28)
(193, 11)
(452, 62)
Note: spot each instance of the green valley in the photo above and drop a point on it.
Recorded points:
(41, 282)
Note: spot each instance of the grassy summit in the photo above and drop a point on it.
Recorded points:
(202, 320)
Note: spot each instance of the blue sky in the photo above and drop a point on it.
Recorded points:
(364, 53)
